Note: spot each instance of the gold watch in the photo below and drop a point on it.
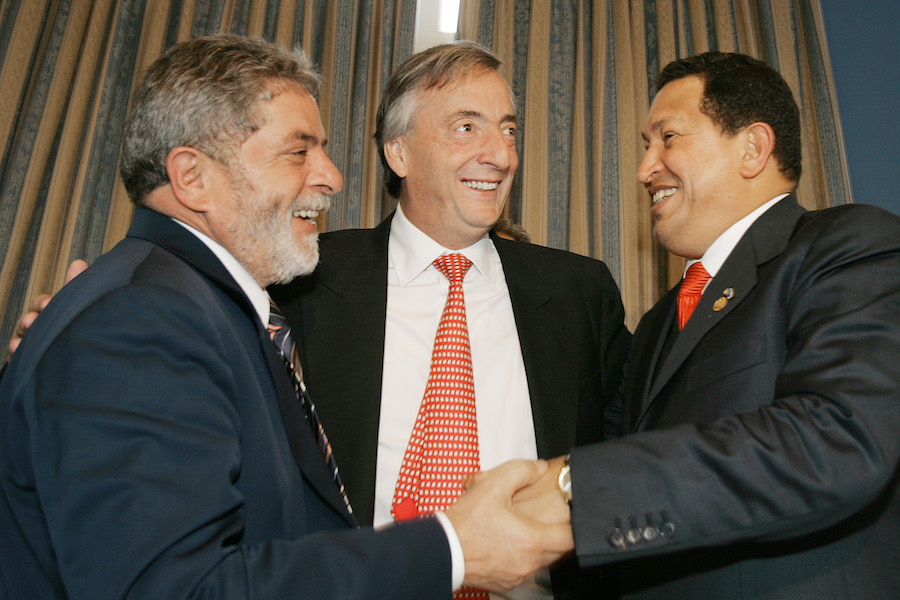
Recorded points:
(564, 481)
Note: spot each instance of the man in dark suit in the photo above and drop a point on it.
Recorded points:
(152, 444)
(761, 451)
(546, 327)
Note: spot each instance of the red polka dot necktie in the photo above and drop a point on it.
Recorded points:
(690, 291)
(443, 447)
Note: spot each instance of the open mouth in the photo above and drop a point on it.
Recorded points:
(484, 186)
(309, 215)
(662, 194)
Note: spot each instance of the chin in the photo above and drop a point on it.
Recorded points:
(299, 260)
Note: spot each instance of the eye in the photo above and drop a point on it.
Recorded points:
(465, 127)
(510, 130)
(668, 136)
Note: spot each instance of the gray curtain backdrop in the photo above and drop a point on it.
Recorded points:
(582, 72)
(67, 69)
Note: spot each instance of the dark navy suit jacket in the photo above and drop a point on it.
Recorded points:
(763, 460)
(151, 447)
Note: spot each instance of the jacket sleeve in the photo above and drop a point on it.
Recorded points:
(141, 435)
(823, 447)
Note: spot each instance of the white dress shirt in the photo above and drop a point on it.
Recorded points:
(417, 292)
(719, 251)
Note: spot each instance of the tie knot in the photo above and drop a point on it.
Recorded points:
(276, 318)
(453, 266)
(694, 280)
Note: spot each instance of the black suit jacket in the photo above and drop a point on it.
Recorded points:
(151, 446)
(567, 310)
(764, 445)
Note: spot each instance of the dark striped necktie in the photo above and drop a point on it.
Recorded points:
(280, 333)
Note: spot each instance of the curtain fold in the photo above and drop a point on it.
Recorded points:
(67, 70)
(583, 72)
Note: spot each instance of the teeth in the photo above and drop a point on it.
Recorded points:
(481, 185)
(305, 214)
(662, 194)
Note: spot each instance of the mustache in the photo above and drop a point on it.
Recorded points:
(312, 201)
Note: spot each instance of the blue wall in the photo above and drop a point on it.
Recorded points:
(864, 44)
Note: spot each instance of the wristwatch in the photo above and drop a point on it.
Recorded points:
(564, 481)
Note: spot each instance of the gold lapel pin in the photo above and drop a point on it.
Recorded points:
(727, 294)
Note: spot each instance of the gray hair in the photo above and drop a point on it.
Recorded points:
(205, 93)
(431, 68)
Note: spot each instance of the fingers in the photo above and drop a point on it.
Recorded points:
(501, 545)
(76, 267)
(25, 321)
(514, 475)
(557, 539)
(543, 500)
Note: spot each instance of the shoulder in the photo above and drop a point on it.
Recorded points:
(549, 262)
(852, 218)
(349, 245)
(848, 232)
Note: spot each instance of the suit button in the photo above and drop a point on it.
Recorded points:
(634, 536)
(667, 529)
(651, 533)
(617, 539)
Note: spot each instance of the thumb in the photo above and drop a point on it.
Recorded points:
(77, 267)
(516, 474)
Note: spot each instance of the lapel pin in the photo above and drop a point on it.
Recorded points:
(727, 294)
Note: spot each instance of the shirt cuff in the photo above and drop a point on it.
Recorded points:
(457, 560)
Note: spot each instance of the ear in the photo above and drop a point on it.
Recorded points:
(190, 174)
(758, 141)
(395, 153)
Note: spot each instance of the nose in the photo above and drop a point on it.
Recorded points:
(326, 176)
(650, 165)
(499, 151)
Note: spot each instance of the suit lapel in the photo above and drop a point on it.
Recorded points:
(550, 378)
(734, 282)
(302, 439)
(643, 366)
(348, 307)
(161, 230)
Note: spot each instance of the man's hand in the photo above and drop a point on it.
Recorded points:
(502, 546)
(37, 305)
(543, 500)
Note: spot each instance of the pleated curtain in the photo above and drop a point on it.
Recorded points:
(582, 73)
(67, 71)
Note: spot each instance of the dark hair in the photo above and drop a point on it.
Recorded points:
(739, 90)
(204, 93)
(511, 230)
(431, 68)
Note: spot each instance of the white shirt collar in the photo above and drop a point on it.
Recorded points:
(258, 297)
(411, 251)
(719, 251)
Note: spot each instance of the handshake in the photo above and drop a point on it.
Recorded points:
(511, 521)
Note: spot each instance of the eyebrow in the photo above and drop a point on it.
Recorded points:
(474, 114)
(302, 136)
(659, 123)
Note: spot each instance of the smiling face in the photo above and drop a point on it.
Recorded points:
(458, 158)
(691, 170)
(273, 189)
